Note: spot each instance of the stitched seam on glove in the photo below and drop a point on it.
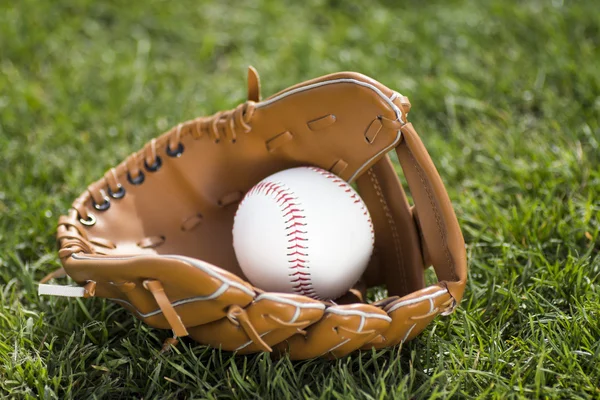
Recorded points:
(392, 224)
(438, 218)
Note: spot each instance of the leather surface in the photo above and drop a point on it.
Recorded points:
(165, 214)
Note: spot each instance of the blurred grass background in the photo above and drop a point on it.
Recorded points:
(505, 94)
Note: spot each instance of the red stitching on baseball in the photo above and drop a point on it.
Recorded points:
(297, 253)
(301, 279)
(297, 246)
(294, 225)
(344, 184)
(303, 286)
(290, 204)
(292, 211)
(299, 273)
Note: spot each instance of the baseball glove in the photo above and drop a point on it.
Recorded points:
(154, 234)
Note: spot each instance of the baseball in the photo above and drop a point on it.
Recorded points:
(303, 230)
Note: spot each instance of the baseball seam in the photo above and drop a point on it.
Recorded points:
(353, 195)
(295, 227)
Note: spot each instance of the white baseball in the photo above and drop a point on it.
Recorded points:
(303, 230)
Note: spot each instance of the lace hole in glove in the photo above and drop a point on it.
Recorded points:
(90, 221)
(102, 206)
(175, 153)
(155, 166)
(118, 194)
(137, 180)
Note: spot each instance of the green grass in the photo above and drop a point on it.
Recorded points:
(506, 96)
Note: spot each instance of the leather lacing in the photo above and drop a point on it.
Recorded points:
(433, 312)
(238, 316)
(221, 126)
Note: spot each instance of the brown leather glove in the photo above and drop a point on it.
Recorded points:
(155, 233)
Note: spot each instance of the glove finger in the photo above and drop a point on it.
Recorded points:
(274, 317)
(342, 330)
(197, 291)
(411, 314)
